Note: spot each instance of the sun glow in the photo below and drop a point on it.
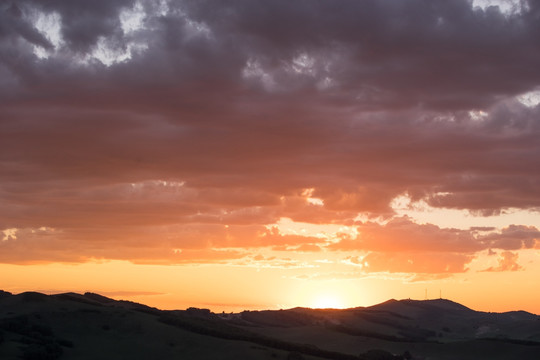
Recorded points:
(327, 301)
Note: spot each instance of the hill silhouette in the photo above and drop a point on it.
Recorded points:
(92, 326)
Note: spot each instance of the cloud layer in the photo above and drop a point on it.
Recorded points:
(180, 131)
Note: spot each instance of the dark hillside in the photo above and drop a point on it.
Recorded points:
(92, 326)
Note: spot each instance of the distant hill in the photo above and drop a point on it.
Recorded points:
(92, 326)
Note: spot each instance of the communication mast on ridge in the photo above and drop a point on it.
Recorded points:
(426, 295)
(440, 294)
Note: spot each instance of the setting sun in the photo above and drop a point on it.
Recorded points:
(328, 301)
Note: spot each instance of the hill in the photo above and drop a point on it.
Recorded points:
(92, 326)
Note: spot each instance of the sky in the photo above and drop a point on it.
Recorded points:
(256, 154)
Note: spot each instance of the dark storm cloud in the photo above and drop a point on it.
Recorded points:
(438, 53)
(225, 114)
(377, 53)
(83, 22)
(13, 26)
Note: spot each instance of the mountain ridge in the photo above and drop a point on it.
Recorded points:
(90, 325)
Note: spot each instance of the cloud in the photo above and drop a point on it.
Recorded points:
(360, 51)
(401, 234)
(406, 247)
(197, 126)
(514, 237)
(507, 262)
(424, 262)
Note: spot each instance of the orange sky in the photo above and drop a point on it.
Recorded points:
(186, 154)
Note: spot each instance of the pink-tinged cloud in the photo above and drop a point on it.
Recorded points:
(200, 126)
(404, 246)
(403, 235)
(508, 261)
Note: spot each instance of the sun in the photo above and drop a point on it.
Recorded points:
(327, 301)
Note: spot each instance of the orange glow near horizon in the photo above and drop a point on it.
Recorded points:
(307, 265)
(327, 301)
(219, 289)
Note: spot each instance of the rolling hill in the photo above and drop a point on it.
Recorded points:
(91, 326)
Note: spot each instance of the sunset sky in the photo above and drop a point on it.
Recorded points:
(259, 154)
